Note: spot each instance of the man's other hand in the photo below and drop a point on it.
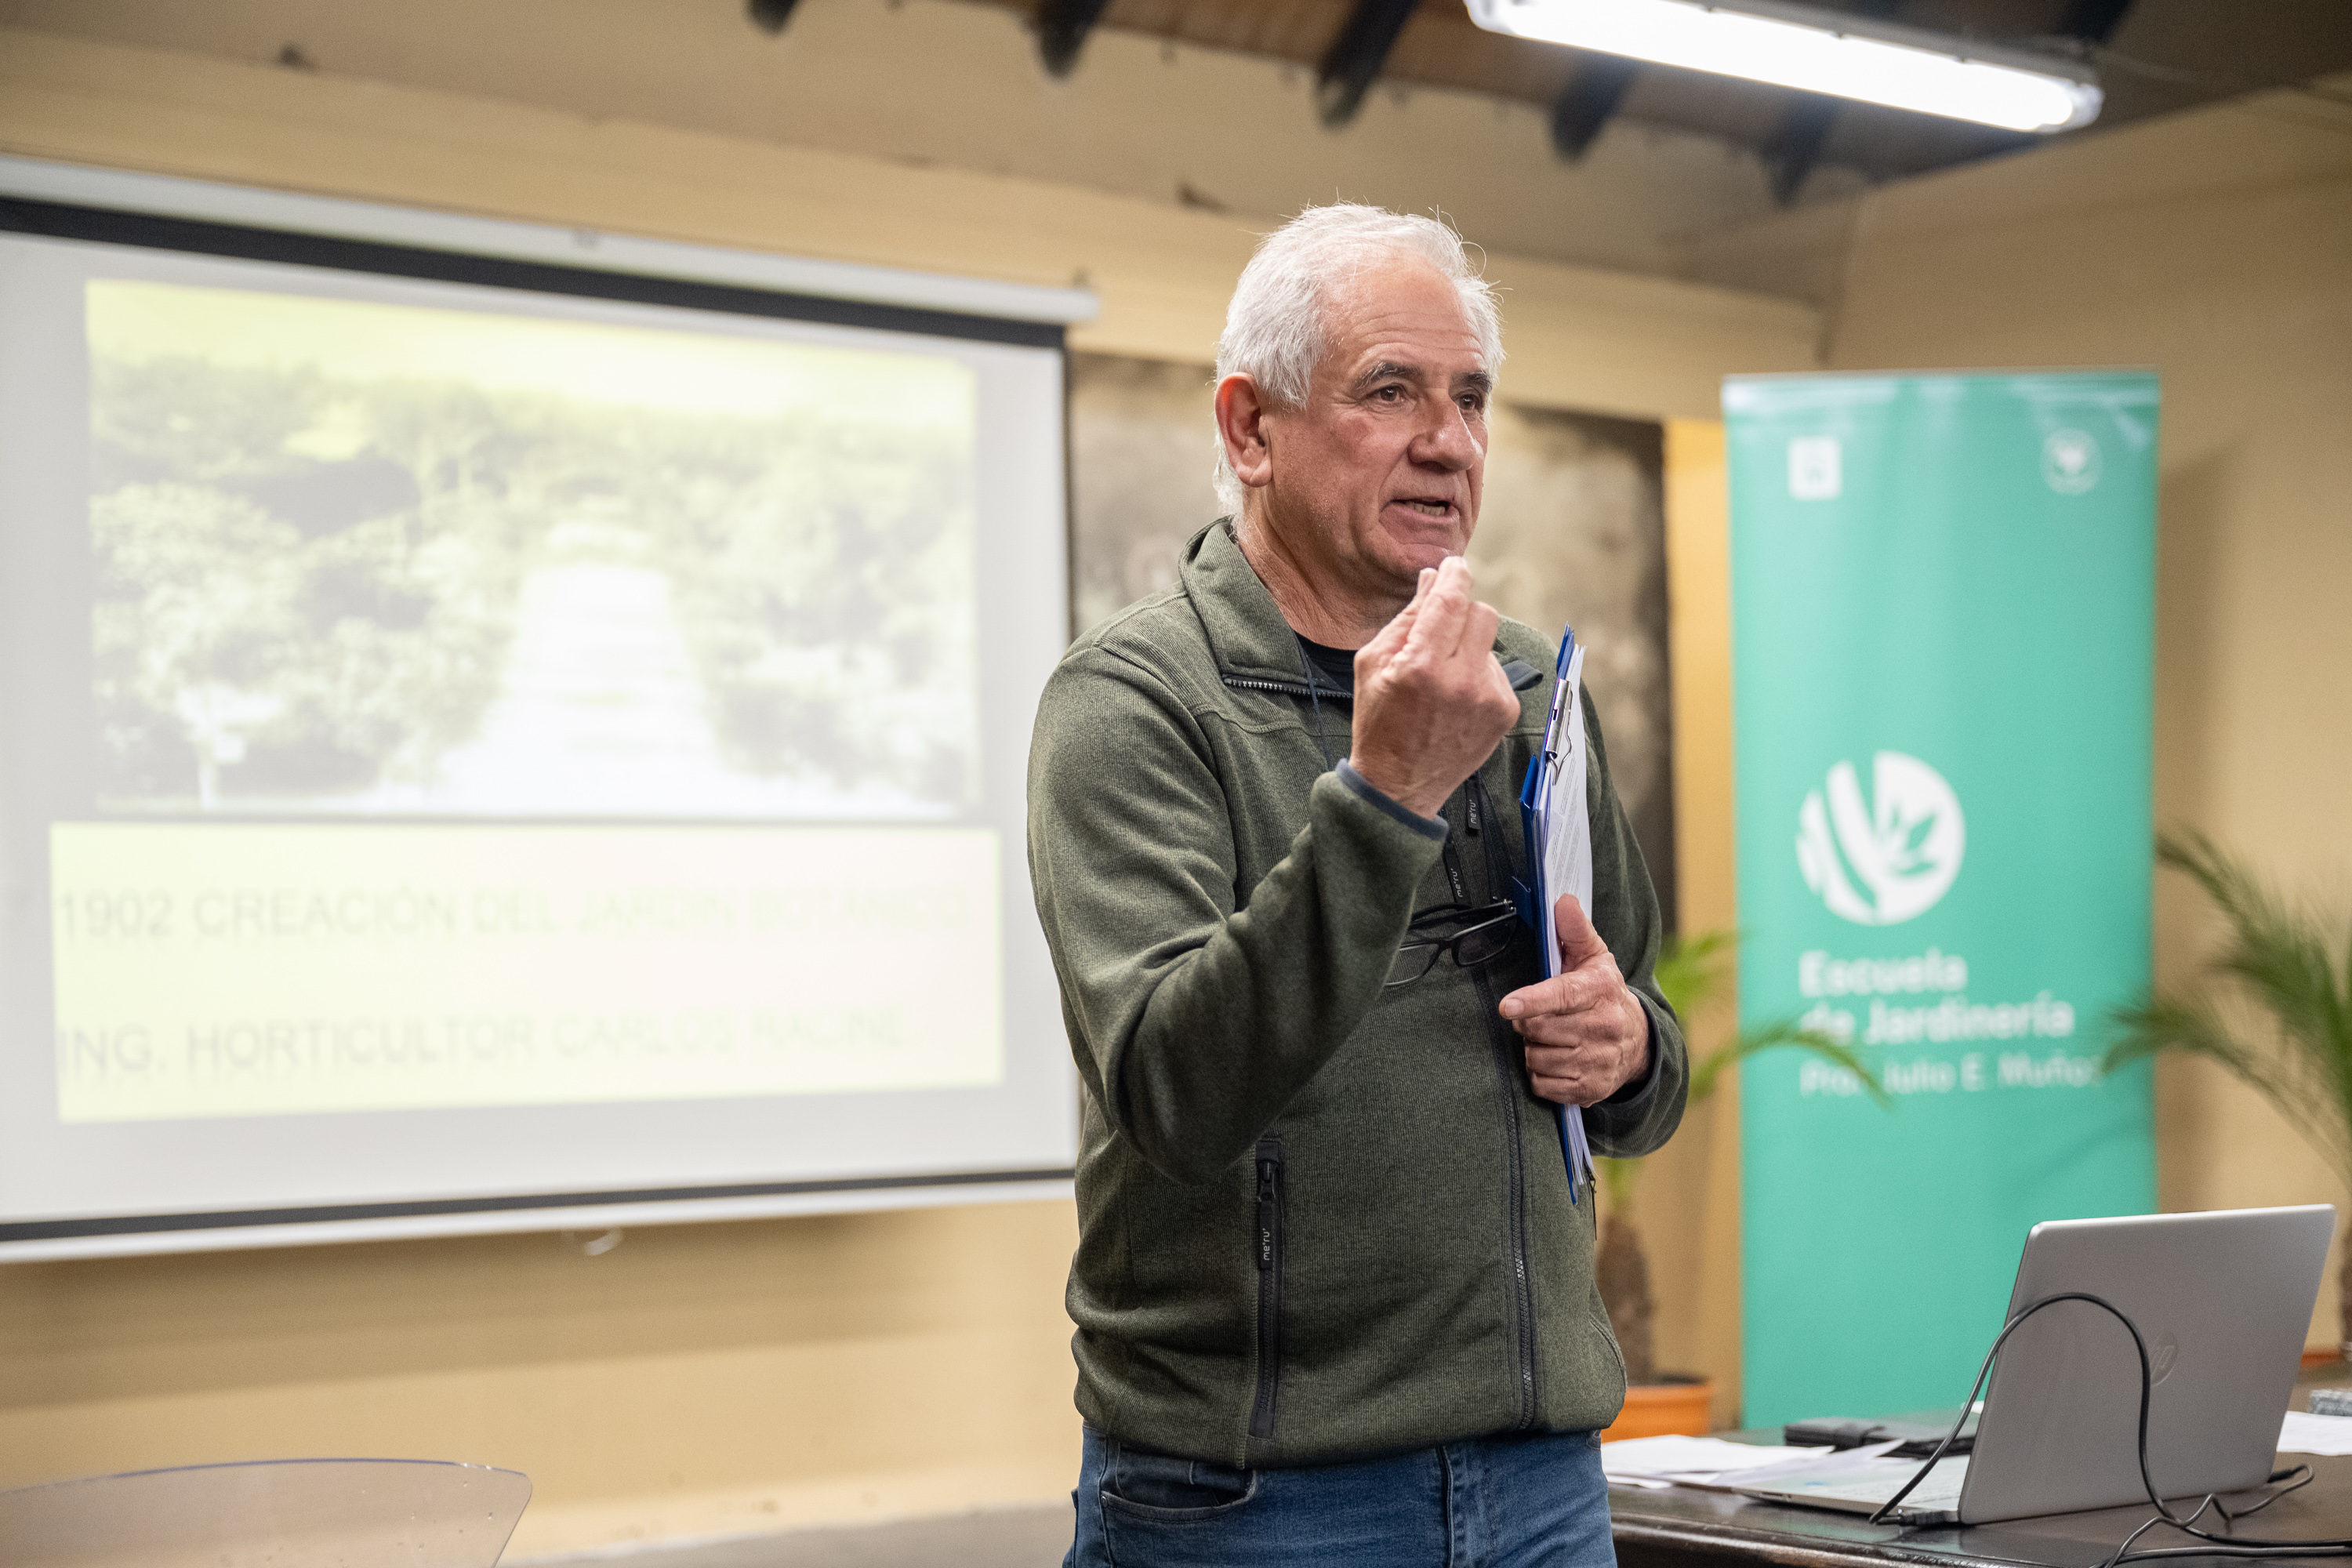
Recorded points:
(1432, 703)
(1587, 1034)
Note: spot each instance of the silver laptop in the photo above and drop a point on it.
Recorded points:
(2224, 1300)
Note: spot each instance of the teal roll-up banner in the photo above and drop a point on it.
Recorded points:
(1942, 619)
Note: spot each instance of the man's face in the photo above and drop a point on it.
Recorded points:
(1378, 474)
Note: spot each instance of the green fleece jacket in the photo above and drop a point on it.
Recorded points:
(1319, 1219)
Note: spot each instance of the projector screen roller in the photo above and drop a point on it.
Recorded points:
(492, 744)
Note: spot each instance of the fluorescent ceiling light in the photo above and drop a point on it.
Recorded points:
(1819, 51)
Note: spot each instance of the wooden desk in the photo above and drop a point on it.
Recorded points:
(1682, 1527)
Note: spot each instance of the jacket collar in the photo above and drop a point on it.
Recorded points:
(1247, 636)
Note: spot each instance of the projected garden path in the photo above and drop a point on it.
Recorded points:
(599, 708)
(601, 711)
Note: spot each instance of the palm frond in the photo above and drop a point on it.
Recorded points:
(1774, 1037)
(1687, 972)
(2281, 959)
(2280, 977)
(2192, 1029)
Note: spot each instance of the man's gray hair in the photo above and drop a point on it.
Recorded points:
(1273, 325)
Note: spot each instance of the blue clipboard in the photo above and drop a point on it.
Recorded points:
(1530, 895)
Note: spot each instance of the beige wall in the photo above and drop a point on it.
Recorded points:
(1689, 1194)
(705, 1379)
(695, 1380)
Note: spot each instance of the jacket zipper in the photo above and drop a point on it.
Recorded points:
(1508, 1073)
(1269, 1286)
(1500, 1039)
(1526, 679)
(1286, 688)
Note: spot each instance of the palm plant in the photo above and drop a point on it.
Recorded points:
(1688, 971)
(2281, 1020)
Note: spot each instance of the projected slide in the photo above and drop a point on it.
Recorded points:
(481, 736)
(365, 559)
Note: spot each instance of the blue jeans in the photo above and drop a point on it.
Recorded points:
(1534, 1500)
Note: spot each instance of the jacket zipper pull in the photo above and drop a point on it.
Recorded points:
(1470, 809)
(1267, 1219)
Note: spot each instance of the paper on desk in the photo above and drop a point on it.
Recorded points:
(1673, 1458)
(2301, 1433)
(1815, 1465)
(1718, 1465)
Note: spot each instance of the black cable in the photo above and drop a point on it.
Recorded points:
(2124, 1551)
(2214, 1545)
(2309, 1475)
(2220, 1548)
(1968, 1403)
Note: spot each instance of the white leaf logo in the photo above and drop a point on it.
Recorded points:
(2070, 461)
(1885, 861)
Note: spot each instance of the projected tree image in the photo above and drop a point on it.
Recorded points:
(376, 559)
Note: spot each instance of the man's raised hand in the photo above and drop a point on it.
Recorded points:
(1432, 703)
(1587, 1034)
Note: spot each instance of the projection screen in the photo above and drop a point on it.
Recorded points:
(503, 729)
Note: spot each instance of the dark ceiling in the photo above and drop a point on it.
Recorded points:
(2153, 55)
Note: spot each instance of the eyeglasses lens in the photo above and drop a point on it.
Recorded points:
(1470, 948)
(1476, 947)
(1412, 962)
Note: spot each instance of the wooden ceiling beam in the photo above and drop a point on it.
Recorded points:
(2093, 21)
(1795, 145)
(1353, 62)
(1436, 45)
(1592, 94)
(1062, 29)
(770, 15)
(1796, 141)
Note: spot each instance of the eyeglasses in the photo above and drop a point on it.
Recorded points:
(1485, 931)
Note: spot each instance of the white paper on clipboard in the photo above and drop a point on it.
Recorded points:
(1563, 825)
(1564, 829)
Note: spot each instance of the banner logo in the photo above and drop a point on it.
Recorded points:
(1888, 859)
(1815, 471)
(2070, 461)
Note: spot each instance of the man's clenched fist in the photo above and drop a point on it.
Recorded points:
(1432, 703)
(1587, 1034)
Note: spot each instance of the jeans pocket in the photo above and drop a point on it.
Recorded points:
(1165, 1488)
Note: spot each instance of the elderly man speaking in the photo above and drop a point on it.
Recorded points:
(1334, 1300)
